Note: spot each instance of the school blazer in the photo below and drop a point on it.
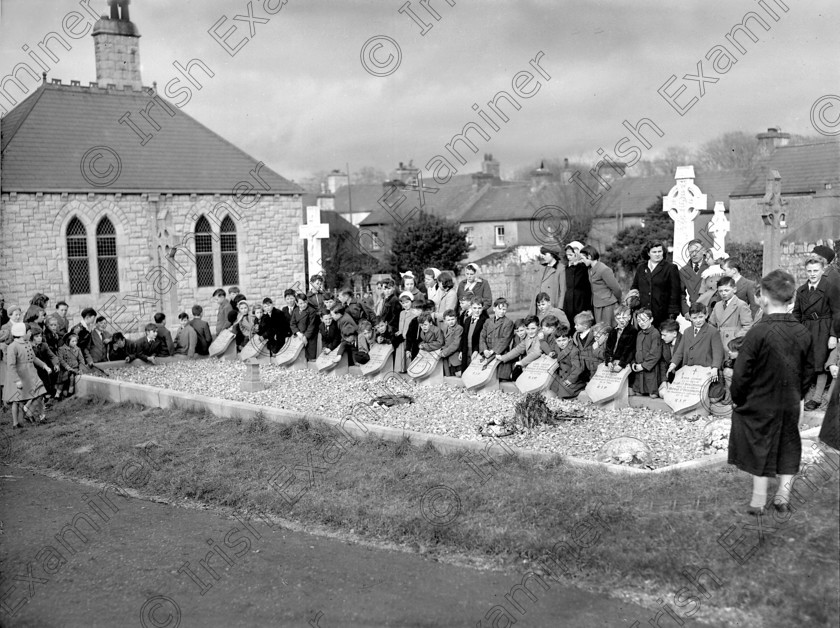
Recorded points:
(476, 336)
(732, 319)
(704, 350)
(605, 288)
(529, 348)
(452, 344)
(690, 282)
(496, 334)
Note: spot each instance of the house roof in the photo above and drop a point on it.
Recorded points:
(804, 168)
(628, 196)
(449, 201)
(46, 137)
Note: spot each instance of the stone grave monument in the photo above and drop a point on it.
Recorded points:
(223, 346)
(312, 233)
(683, 204)
(333, 363)
(609, 389)
(291, 355)
(427, 368)
(537, 375)
(689, 391)
(480, 375)
(381, 361)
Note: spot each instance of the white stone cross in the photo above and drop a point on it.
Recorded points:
(719, 226)
(683, 205)
(313, 232)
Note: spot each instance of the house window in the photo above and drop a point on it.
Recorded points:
(77, 258)
(203, 253)
(468, 232)
(500, 235)
(375, 242)
(106, 256)
(230, 258)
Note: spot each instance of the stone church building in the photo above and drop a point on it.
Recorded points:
(111, 197)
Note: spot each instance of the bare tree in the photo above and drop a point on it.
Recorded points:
(729, 151)
(673, 157)
(368, 174)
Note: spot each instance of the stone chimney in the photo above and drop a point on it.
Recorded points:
(771, 140)
(407, 173)
(490, 166)
(337, 179)
(116, 45)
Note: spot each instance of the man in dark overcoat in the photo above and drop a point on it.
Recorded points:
(691, 275)
(817, 307)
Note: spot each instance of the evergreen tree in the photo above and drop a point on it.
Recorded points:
(626, 250)
(428, 241)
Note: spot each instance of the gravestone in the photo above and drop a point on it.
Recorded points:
(427, 368)
(332, 363)
(223, 346)
(689, 388)
(381, 361)
(255, 351)
(625, 450)
(537, 375)
(683, 204)
(251, 380)
(292, 354)
(480, 375)
(312, 233)
(608, 388)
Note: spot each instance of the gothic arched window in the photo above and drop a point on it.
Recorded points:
(106, 256)
(203, 253)
(230, 258)
(77, 258)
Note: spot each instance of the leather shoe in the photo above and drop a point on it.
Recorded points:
(811, 405)
(782, 507)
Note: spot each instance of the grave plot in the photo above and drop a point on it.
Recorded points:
(580, 430)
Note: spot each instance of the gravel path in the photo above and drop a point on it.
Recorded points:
(436, 410)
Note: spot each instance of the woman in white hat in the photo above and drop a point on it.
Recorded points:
(475, 284)
(410, 284)
(23, 388)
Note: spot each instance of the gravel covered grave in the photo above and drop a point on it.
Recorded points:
(441, 410)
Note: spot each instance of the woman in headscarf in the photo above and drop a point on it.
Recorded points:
(475, 284)
(578, 296)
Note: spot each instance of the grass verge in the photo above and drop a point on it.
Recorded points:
(513, 512)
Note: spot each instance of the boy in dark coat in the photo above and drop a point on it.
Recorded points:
(274, 326)
(202, 331)
(646, 356)
(304, 325)
(621, 341)
(669, 331)
(471, 336)
(566, 381)
(497, 331)
(772, 374)
(700, 346)
(817, 307)
(450, 353)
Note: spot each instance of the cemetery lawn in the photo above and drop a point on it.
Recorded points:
(655, 526)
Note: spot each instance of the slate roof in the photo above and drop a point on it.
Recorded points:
(45, 138)
(804, 168)
(450, 201)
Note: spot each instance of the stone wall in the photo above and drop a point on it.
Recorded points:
(33, 250)
(795, 254)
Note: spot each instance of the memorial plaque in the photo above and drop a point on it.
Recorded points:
(256, 348)
(606, 385)
(379, 356)
(221, 343)
(328, 361)
(689, 386)
(479, 374)
(625, 450)
(537, 375)
(289, 352)
(423, 365)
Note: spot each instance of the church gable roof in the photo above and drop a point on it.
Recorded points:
(46, 137)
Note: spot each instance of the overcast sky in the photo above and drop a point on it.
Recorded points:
(297, 97)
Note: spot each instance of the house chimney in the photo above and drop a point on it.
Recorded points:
(116, 45)
(540, 177)
(771, 140)
(490, 166)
